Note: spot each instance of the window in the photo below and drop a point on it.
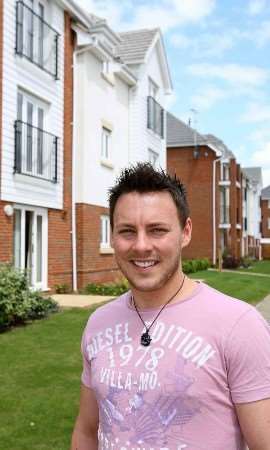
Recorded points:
(36, 40)
(106, 144)
(153, 158)
(268, 223)
(225, 172)
(105, 232)
(268, 204)
(35, 149)
(152, 89)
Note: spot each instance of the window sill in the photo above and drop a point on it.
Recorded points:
(106, 163)
(109, 78)
(106, 250)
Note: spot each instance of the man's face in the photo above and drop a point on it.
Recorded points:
(147, 239)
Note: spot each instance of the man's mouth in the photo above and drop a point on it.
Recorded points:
(144, 264)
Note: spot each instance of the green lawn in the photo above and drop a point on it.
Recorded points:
(259, 267)
(41, 366)
(246, 287)
(39, 382)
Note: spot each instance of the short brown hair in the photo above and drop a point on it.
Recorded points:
(142, 178)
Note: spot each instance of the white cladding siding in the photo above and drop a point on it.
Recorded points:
(141, 138)
(99, 104)
(18, 73)
(254, 212)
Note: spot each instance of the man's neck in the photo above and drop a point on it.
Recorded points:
(157, 298)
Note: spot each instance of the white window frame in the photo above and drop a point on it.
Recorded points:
(43, 283)
(105, 232)
(106, 144)
(268, 223)
(153, 157)
(22, 114)
(152, 88)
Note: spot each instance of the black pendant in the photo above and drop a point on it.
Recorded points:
(145, 339)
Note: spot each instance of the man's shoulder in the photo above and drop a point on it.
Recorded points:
(112, 309)
(223, 305)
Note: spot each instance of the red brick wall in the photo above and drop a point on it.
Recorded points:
(266, 251)
(6, 235)
(265, 216)
(92, 266)
(60, 237)
(197, 176)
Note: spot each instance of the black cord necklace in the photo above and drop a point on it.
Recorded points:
(145, 337)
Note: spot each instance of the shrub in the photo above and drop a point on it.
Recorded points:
(17, 302)
(194, 265)
(62, 288)
(230, 262)
(113, 289)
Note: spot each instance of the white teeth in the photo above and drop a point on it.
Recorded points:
(144, 263)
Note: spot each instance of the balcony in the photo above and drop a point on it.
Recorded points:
(224, 217)
(155, 116)
(36, 40)
(36, 152)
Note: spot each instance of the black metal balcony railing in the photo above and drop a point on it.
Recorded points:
(36, 40)
(36, 152)
(155, 116)
(224, 214)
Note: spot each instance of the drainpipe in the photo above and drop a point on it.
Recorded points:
(215, 161)
(73, 178)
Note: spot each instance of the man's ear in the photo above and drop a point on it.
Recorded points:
(186, 233)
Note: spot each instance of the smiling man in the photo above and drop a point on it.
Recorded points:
(172, 364)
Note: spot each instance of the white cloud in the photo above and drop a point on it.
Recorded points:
(233, 74)
(262, 157)
(209, 45)
(166, 14)
(262, 34)
(260, 136)
(256, 113)
(207, 97)
(256, 7)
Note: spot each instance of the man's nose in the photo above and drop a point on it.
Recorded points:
(142, 242)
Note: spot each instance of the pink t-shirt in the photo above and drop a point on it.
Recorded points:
(208, 352)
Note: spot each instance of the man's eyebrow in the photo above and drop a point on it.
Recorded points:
(151, 224)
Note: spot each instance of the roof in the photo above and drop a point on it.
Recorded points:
(135, 45)
(226, 152)
(265, 194)
(179, 134)
(254, 174)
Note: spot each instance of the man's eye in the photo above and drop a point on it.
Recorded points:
(126, 231)
(159, 231)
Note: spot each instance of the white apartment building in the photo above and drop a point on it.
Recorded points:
(121, 82)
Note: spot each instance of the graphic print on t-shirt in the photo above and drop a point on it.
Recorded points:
(144, 393)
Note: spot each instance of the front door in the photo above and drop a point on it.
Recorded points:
(31, 244)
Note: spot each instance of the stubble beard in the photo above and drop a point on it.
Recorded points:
(160, 282)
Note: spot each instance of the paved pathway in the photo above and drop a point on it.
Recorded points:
(80, 301)
(264, 308)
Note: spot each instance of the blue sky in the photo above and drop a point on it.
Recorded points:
(219, 58)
